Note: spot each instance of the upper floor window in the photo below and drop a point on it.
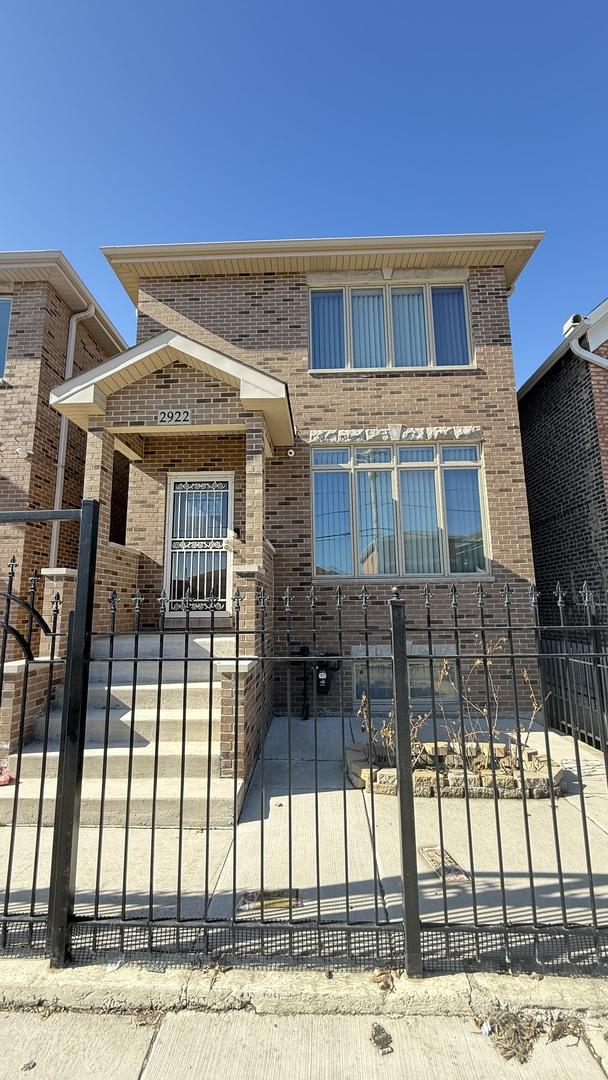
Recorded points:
(395, 326)
(5, 318)
(399, 510)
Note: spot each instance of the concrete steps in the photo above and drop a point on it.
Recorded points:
(115, 802)
(174, 644)
(117, 765)
(152, 711)
(172, 698)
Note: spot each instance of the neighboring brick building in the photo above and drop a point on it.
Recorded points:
(43, 335)
(563, 409)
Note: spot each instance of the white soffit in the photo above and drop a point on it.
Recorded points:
(85, 395)
(18, 267)
(134, 264)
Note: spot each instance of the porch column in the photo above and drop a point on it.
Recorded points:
(98, 470)
(255, 483)
(117, 566)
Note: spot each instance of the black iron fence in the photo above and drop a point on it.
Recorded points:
(331, 777)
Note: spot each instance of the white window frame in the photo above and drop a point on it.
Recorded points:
(172, 479)
(395, 467)
(386, 288)
(6, 300)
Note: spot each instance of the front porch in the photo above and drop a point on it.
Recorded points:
(178, 437)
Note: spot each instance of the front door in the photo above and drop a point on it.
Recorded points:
(199, 526)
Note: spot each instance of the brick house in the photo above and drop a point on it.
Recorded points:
(327, 411)
(50, 327)
(563, 409)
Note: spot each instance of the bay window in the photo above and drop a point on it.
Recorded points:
(397, 326)
(398, 510)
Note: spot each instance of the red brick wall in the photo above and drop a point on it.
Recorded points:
(264, 318)
(35, 364)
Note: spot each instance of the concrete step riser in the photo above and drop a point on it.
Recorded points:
(173, 645)
(147, 672)
(119, 731)
(167, 812)
(171, 697)
(169, 765)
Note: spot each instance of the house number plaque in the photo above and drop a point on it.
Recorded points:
(174, 416)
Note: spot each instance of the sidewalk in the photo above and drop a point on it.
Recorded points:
(244, 1046)
(132, 1023)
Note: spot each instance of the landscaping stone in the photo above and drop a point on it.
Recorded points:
(482, 780)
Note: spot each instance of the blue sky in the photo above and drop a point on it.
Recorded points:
(147, 122)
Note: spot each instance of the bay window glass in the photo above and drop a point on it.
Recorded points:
(376, 456)
(368, 334)
(327, 337)
(330, 457)
(450, 326)
(459, 453)
(409, 328)
(398, 510)
(463, 521)
(376, 522)
(419, 521)
(333, 540)
(416, 453)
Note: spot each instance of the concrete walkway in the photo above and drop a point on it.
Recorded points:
(337, 812)
(244, 1046)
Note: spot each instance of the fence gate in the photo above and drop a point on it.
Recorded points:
(39, 812)
(325, 777)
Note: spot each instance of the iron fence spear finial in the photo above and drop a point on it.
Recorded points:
(507, 592)
(587, 595)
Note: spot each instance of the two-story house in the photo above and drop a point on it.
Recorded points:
(51, 327)
(337, 411)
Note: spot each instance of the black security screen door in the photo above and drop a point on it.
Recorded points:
(198, 530)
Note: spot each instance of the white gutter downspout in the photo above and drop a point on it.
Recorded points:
(584, 354)
(63, 429)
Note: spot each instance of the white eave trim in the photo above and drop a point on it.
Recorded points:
(86, 394)
(570, 343)
(52, 266)
(326, 245)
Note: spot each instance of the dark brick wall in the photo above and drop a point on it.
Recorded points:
(565, 477)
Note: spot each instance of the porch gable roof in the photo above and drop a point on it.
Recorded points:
(86, 395)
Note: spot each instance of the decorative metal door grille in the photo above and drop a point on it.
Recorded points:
(198, 554)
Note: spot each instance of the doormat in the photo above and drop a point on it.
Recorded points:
(276, 901)
(454, 873)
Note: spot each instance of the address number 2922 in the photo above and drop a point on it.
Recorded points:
(174, 416)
